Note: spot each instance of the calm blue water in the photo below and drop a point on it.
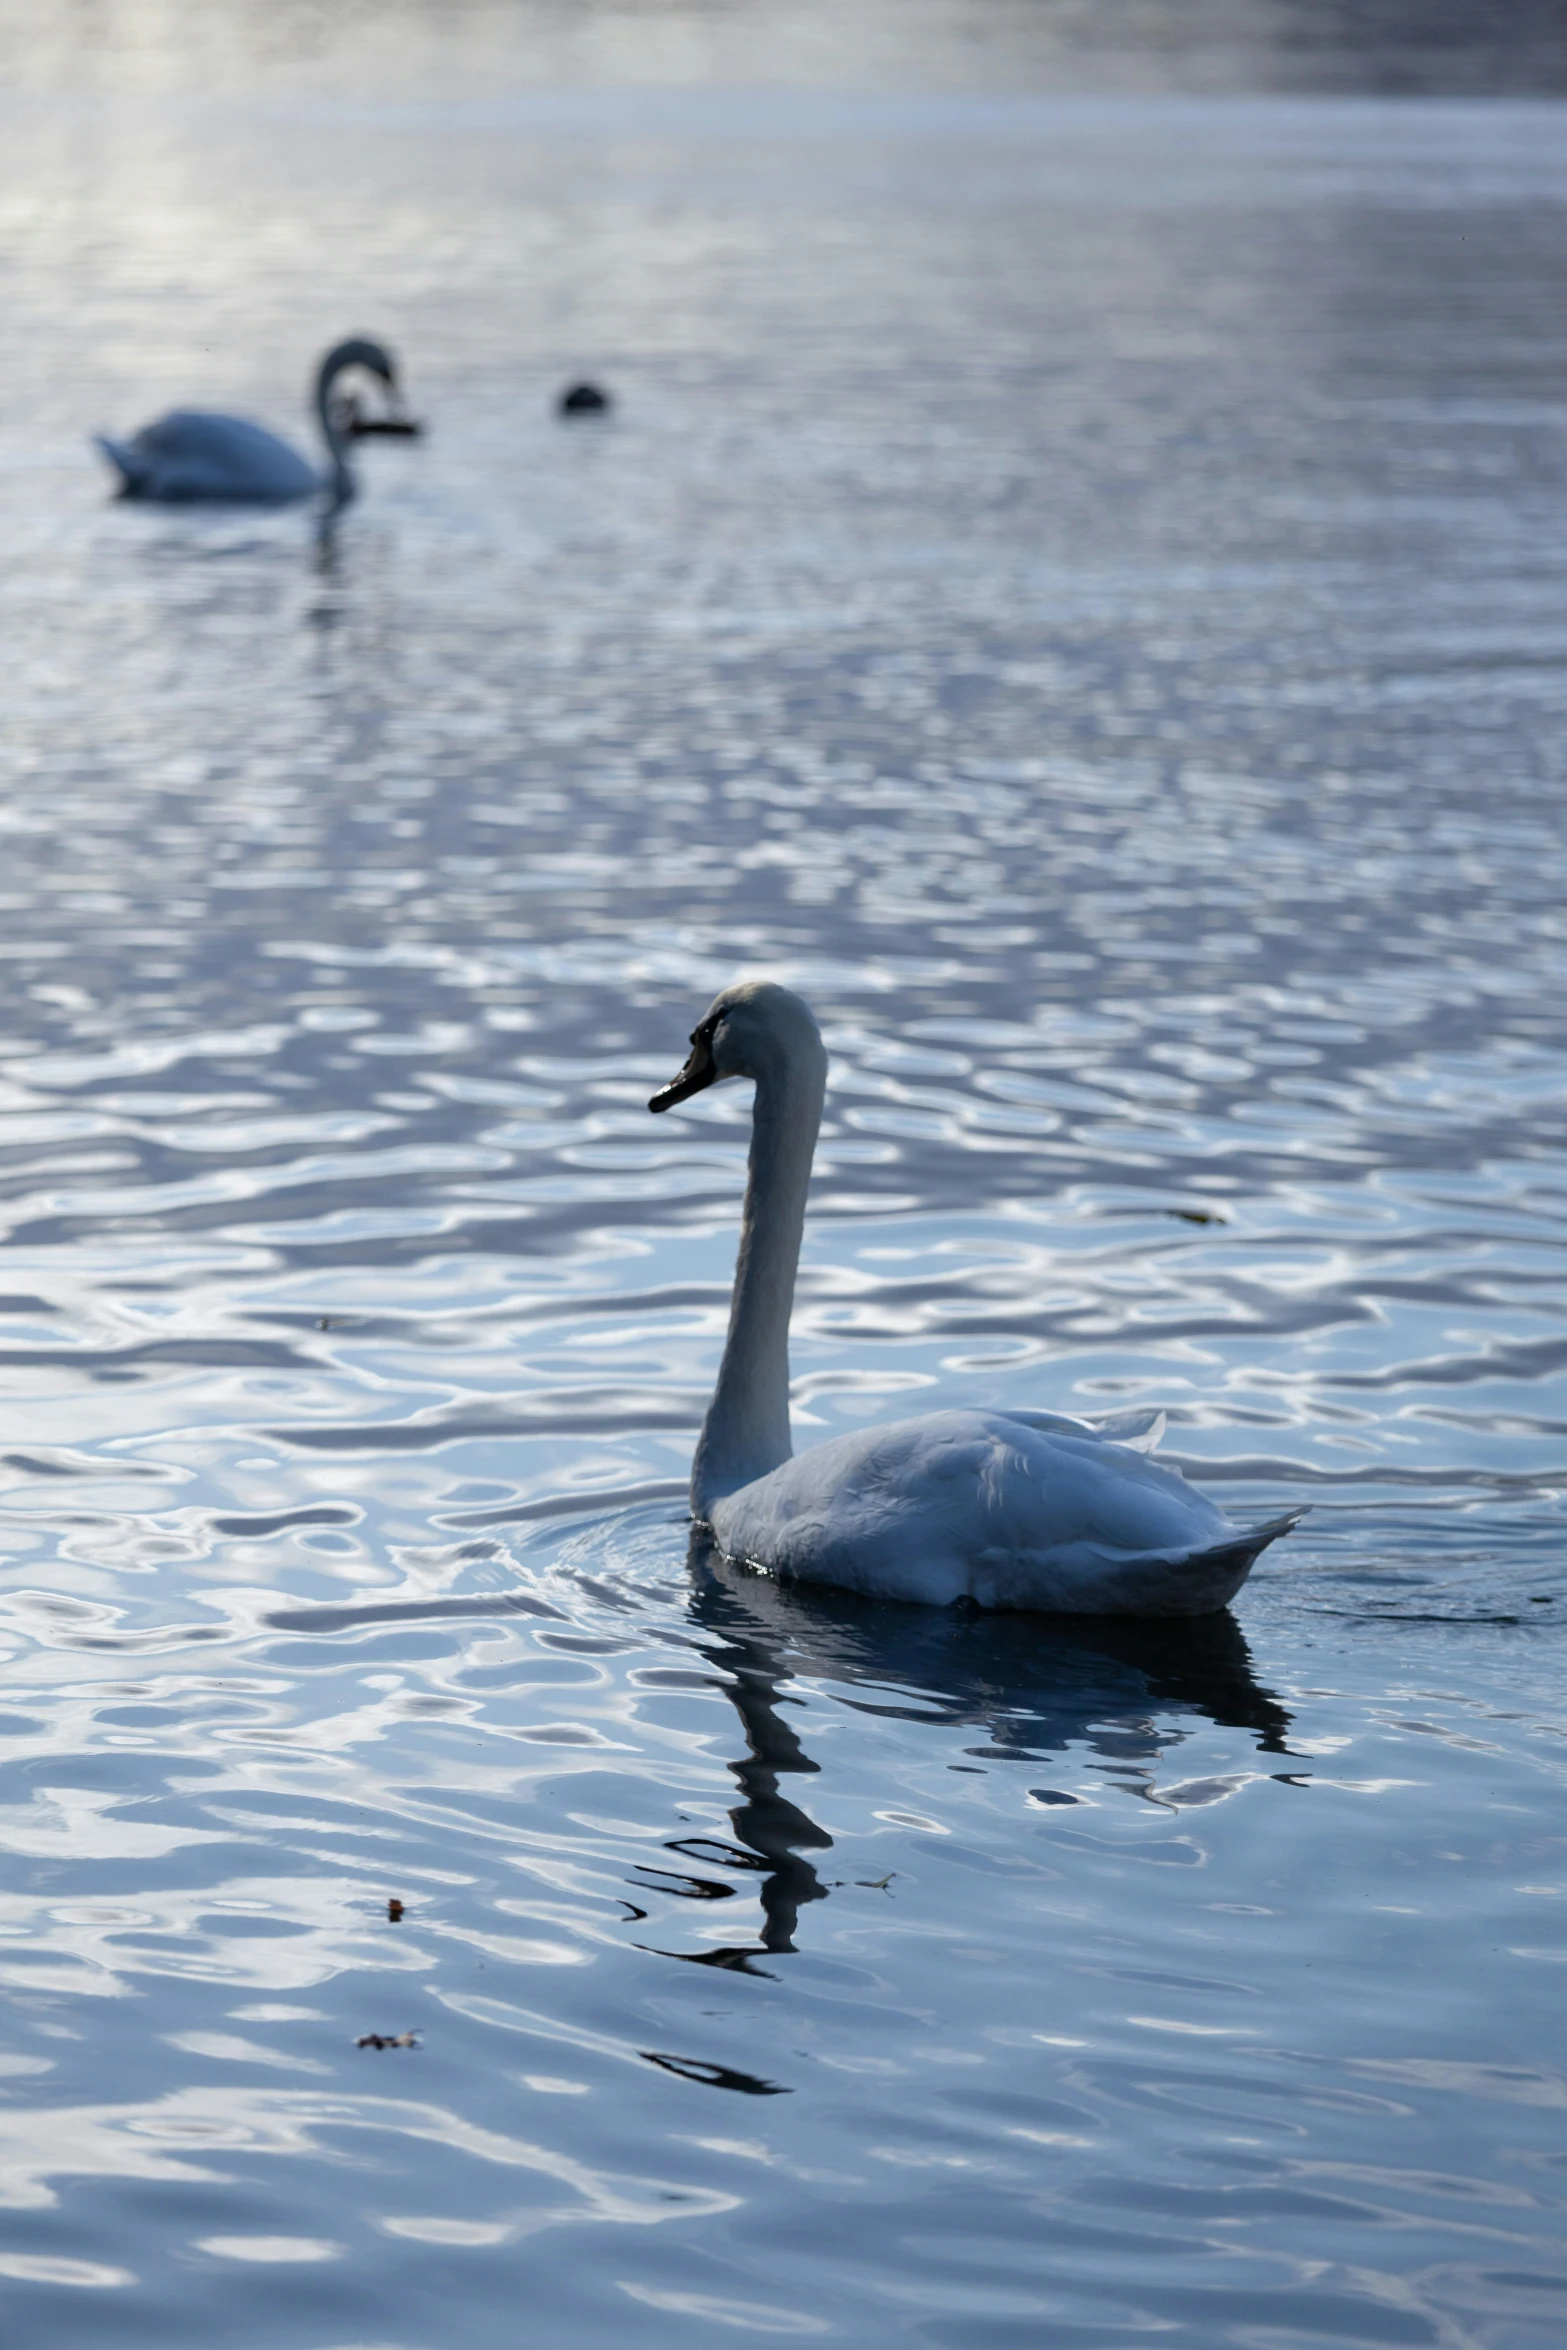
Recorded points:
(1077, 587)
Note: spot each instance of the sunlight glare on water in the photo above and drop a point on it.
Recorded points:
(1075, 584)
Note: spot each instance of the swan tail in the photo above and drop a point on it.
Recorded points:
(1206, 1580)
(1254, 1540)
(130, 468)
(1176, 1582)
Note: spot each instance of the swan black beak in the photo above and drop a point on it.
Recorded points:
(396, 424)
(698, 1072)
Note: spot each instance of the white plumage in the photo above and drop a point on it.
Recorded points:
(1025, 1510)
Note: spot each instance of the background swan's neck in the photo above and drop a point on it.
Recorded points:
(746, 1431)
(340, 484)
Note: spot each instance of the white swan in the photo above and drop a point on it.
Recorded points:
(1002, 1509)
(193, 456)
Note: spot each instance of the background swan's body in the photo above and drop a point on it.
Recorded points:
(1005, 1510)
(194, 456)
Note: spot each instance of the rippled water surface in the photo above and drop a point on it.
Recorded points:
(1077, 587)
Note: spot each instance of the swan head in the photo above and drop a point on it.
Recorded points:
(358, 351)
(754, 1029)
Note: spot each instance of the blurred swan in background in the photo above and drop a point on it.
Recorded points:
(195, 456)
(1002, 1509)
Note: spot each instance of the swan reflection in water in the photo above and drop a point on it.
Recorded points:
(1032, 1685)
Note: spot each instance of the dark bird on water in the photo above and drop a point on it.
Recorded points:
(583, 399)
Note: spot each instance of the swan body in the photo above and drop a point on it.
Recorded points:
(193, 456)
(999, 1509)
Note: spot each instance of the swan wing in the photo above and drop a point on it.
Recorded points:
(980, 1506)
(191, 456)
(1140, 1431)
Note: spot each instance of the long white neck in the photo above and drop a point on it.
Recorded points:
(339, 483)
(746, 1431)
